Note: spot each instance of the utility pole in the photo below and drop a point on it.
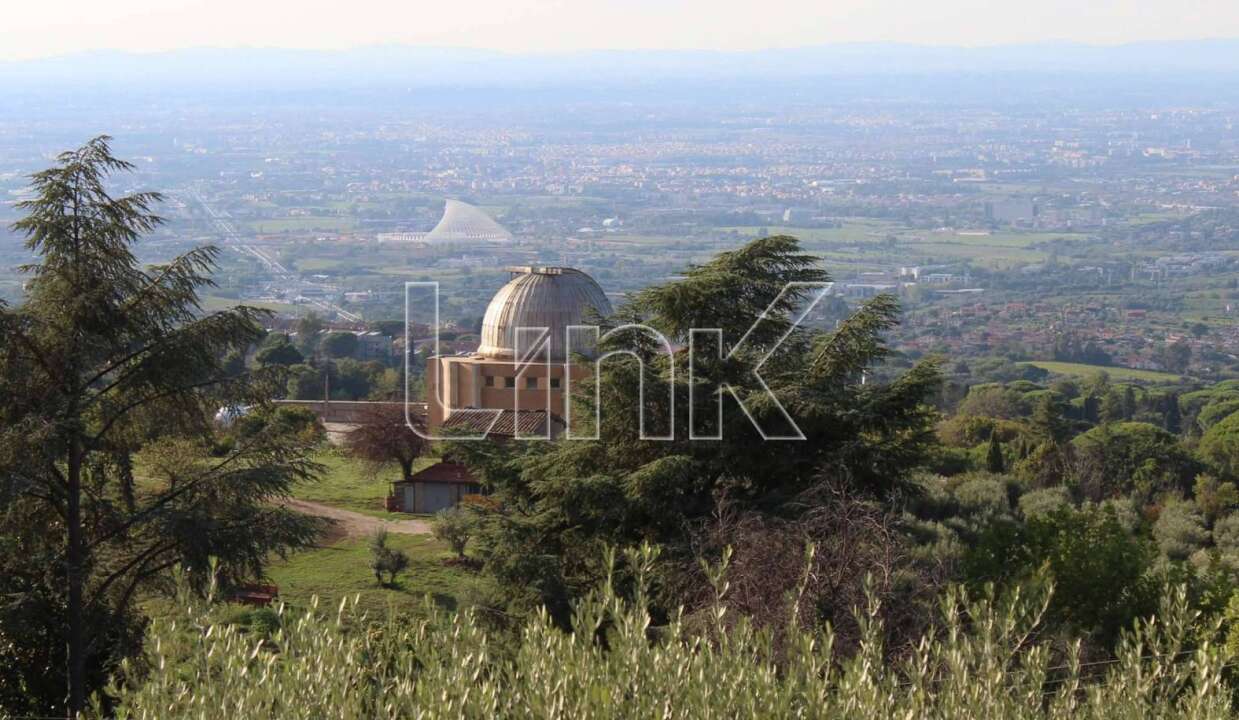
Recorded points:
(326, 387)
(325, 364)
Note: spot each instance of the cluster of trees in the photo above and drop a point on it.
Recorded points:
(1070, 347)
(321, 365)
(1112, 491)
(1081, 405)
(344, 380)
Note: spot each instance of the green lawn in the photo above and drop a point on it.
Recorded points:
(1115, 373)
(343, 570)
(354, 485)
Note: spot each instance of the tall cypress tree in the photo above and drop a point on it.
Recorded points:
(1092, 409)
(993, 459)
(1173, 416)
(1129, 403)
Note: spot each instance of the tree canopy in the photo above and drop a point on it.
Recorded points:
(1220, 445)
(1117, 458)
(339, 344)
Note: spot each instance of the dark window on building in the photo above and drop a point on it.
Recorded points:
(490, 381)
(554, 383)
(531, 383)
(509, 382)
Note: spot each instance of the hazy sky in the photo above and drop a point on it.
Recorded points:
(36, 28)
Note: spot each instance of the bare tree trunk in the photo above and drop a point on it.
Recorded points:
(76, 557)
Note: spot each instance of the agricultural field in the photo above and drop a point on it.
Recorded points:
(854, 230)
(991, 256)
(995, 250)
(992, 249)
(302, 224)
(1119, 374)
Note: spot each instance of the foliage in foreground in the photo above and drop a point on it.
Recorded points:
(984, 660)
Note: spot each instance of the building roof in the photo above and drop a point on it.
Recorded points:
(530, 423)
(442, 472)
(464, 223)
(540, 297)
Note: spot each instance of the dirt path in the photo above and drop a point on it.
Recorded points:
(355, 524)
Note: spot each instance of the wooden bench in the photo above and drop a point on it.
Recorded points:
(256, 594)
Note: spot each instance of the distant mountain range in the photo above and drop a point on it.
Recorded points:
(420, 67)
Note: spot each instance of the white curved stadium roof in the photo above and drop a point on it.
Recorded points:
(463, 223)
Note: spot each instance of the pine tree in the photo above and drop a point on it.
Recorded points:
(1047, 420)
(1112, 407)
(105, 361)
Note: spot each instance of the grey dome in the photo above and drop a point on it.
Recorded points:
(549, 297)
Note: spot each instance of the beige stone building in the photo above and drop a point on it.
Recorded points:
(493, 378)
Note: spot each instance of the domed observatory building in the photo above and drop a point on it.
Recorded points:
(464, 391)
